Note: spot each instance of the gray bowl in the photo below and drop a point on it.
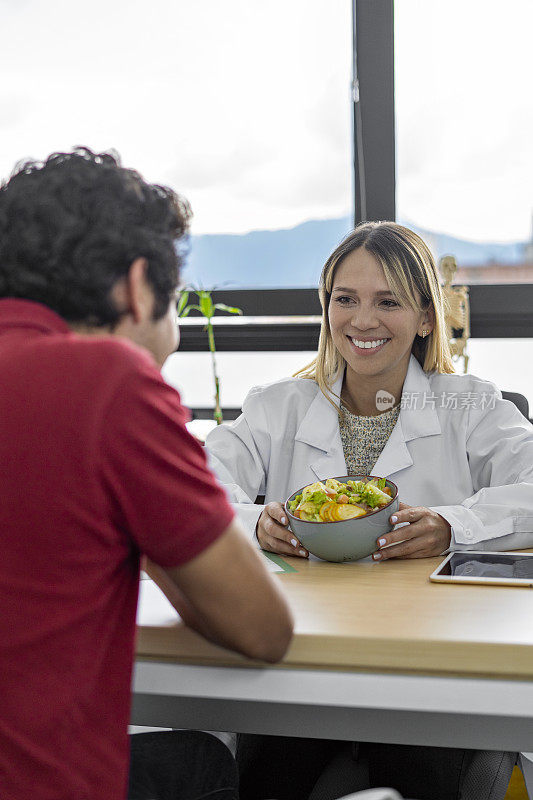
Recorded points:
(346, 540)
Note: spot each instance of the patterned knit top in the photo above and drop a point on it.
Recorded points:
(363, 439)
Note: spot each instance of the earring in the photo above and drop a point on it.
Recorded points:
(424, 334)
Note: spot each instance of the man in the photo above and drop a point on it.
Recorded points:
(97, 469)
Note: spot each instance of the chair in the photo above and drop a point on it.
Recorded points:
(525, 762)
(472, 773)
(519, 400)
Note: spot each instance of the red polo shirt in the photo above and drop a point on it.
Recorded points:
(96, 467)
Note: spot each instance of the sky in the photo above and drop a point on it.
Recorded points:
(244, 105)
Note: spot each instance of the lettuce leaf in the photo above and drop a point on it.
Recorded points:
(318, 498)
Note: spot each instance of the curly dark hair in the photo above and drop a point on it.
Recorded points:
(71, 226)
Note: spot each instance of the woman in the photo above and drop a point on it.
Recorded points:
(461, 456)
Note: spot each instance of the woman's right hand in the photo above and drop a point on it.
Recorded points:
(274, 535)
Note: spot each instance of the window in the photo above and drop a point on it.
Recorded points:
(463, 127)
(246, 109)
(242, 107)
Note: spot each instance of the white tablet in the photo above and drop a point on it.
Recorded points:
(490, 569)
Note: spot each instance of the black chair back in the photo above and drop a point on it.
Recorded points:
(519, 400)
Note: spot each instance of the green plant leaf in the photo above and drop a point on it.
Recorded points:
(229, 309)
(192, 307)
(182, 302)
(206, 304)
(207, 308)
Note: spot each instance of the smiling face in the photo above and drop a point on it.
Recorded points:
(369, 327)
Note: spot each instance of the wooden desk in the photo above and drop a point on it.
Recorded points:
(379, 653)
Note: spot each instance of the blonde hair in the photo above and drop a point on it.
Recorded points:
(411, 274)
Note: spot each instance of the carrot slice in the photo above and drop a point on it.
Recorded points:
(347, 511)
(325, 511)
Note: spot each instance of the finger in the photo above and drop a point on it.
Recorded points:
(272, 531)
(412, 548)
(275, 545)
(277, 512)
(429, 543)
(413, 531)
(433, 544)
(404, 505)
(409, 514)
(278, 526)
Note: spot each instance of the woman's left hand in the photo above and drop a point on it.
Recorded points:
(428, 534)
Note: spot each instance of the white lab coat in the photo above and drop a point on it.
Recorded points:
(472, 464)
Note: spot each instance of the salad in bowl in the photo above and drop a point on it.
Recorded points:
(333, 501)
(340, 519)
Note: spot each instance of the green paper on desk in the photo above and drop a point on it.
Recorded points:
(275, 563)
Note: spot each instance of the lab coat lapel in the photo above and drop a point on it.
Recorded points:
(395, 455)
(418, 418)
(319, 429)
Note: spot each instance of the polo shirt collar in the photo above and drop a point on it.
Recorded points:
(17, 313)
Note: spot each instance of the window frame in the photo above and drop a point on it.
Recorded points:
(496, 310)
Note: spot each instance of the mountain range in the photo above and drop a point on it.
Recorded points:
(293, 257)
